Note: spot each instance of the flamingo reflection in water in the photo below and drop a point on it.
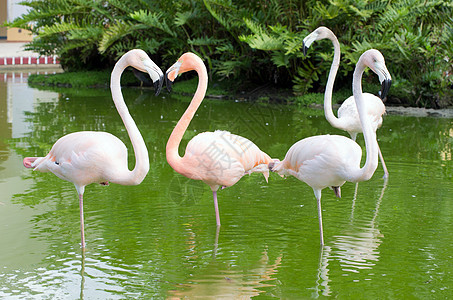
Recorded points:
(356, 250)
(219, 280)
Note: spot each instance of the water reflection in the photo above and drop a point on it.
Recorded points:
(355, 250)
(359, 249)
(322, 287)
(156, 240)
(219, 280)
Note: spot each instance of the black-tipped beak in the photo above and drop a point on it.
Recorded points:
(158, 84)
(385, 88)
(168, 82)
(174, 68)
(304, 49)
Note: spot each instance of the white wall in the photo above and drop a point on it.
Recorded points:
(15, 10)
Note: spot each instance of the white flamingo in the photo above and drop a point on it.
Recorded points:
(86, 157)
(348, 117)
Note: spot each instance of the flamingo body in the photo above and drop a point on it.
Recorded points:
(321, 161)
(349, 116)
(221, 158)
(85, 157)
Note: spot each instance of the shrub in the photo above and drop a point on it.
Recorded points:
(257, 41)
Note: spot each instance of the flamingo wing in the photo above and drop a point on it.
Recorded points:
(220, 158)
(321, 161)
(84, 157)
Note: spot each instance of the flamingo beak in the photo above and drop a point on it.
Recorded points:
(385, 87)
(168, 83)
(156, 75)
(385, 79)
(158, 84)
(171, 74)
(308, 40)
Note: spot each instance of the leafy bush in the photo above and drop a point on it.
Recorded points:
(257, 41)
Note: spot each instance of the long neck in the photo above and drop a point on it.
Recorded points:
(328, 112)
(141, 168)
(367, 171)
(173, 157)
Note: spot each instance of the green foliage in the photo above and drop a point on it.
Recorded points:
(81, 79)
(257, 41)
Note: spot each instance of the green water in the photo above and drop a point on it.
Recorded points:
(387, 240)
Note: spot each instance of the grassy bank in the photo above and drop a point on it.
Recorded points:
(224, 89)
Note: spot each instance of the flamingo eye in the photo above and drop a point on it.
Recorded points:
(57, 163)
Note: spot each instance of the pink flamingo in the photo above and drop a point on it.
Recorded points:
(348, 117)
(99, 157)
(330, 160)
(217, 158)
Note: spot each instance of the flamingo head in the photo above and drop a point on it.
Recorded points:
(375, 61)
(318, 34)
(187, 62)
(139, 60)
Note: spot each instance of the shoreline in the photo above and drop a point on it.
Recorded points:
(420, 112)
(390, 110)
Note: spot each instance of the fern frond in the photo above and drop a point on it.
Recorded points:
(149, 45)
(280, 59)
(154, 20)
(294, 44)
(216, 8)
(260, 39)
(182, 18)
(124, 6)
(115, 32)
(86, 33)
(58, 28)
(225, 47)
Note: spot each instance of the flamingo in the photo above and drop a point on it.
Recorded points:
(330, 160)
(348, 117)
(218, 158)
(86, 157)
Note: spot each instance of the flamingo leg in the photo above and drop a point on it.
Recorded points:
(216, 206)
(82, 227)
(318, 200)
(386, 172)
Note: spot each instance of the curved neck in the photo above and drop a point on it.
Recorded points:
(173, 157)
(141, 168)
(367, 171)
(328, 112)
